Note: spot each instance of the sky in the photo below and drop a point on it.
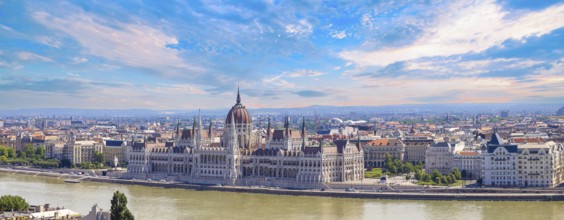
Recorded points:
(194, 54)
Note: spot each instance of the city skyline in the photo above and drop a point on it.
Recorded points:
(187, 55)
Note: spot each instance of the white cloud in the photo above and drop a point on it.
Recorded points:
(278, 82)
(27, 56)
(339, 34)
(458, 67)
(14, 65)
(464, 27)
(136, 45)
(79, 60)
(177, 89)
(49, 41)
(304, 72)
(302, 28)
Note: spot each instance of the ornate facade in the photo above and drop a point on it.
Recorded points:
(285, 155)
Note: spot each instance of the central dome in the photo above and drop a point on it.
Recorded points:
(239, 112)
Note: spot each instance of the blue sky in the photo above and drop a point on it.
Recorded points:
(193, 54)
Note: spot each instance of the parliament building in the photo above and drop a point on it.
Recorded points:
(281, 157)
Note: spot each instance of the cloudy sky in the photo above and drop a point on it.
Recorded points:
(193, 54)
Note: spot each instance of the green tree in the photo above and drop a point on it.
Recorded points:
(426, 177)
(418, 175)
(453, 177)
(11, 153)
(3, 151)
(99, 158)
(40, 152)
(436, 175)
(29, 151)
(408, 167)
(12, 203)
(22, 154)
(438, 181)
(443, 180)
(119, 210)
(457, 173)
(449, 179)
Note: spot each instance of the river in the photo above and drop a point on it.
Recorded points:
(160, 203)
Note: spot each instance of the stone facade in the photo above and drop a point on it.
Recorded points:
(115, 149)
(375, 151)
(524, 165)
(469, 163)
(415, 148)
(81, 151)
(286, 155)
(440, 156)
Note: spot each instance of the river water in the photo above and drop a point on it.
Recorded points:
(160, 203)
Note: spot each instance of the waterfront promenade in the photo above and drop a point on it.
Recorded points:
(423, 193)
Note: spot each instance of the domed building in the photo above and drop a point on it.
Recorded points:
(286, 158)
(239, 119)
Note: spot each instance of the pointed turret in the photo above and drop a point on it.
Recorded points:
(287, 126)
(193, 136)
(210, 129)
(177, 128)
(200, 128)
(268, 129)
(359, 146)
(238, 96)
(194, 127)
(303, 128)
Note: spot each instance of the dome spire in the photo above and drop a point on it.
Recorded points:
(238, 96)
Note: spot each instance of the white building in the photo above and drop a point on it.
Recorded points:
(54, 149)
(469, 163)
(499, 163)
(81, 151)
(440, 156)
(524, 165)
(540, 164)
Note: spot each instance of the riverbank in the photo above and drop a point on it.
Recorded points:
(462, 194)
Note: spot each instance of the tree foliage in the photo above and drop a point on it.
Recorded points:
(119, 210)
(12, 203)
(99, 158)
(26, 157)
(397, 166)
(438, 178)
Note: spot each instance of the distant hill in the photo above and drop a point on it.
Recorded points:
(390, 109)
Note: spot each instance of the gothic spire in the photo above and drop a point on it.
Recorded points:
(287, 126)
(194, 127)
(177, 127)
(200, 129)
(303, 128)
(238, 96)
(210, 129)
(268, 129)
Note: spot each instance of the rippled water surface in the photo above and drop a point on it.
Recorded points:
(161, 203)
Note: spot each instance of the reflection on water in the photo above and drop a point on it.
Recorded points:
(156, 203)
